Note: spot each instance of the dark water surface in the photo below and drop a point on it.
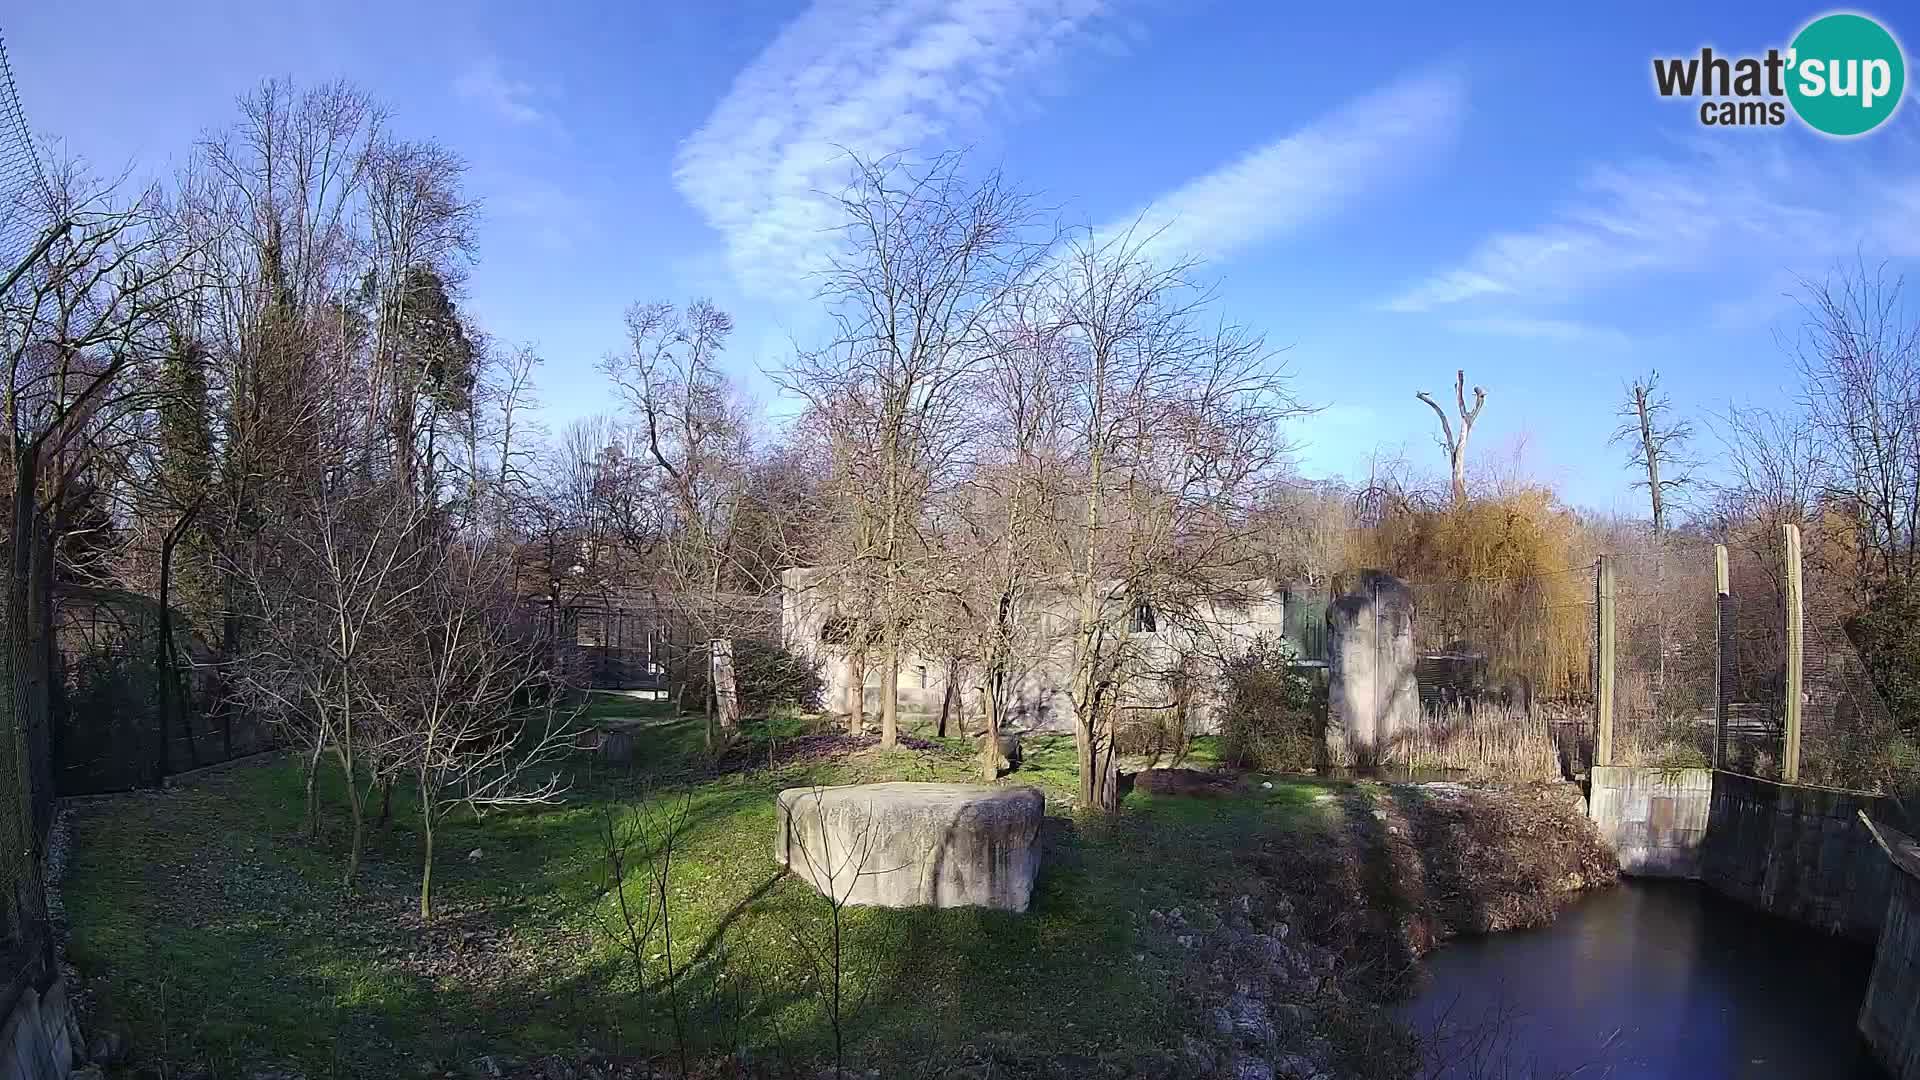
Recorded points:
(1650, 979)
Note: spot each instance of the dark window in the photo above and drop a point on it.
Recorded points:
(1144, 621)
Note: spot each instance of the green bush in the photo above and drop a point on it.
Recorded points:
(769, 677)
(1272, 715)
(1887, 634)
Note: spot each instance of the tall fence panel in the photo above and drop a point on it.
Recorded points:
(1504, 672)
(26, 795)
(1665, 654)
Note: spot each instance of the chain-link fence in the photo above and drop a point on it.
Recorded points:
(1502, 667)
(1684, 648)
(1739, 656)
(1664, 653)
(26, 788)
(128, 716)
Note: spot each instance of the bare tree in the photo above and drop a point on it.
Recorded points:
(467, 711)
(1858, 353)
(1173, 429)
(83, 311)
(929, 262)
(644, 843)
(1658, 442)
(696, 432)
(1456, 444)
(333, 594)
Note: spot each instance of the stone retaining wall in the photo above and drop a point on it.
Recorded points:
(37, 1041)
(1798, 852)
(1890, 1013)
(1653, 819)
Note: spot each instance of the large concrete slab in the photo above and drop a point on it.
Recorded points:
(913, 845)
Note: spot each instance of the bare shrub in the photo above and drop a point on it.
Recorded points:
(1272, 717)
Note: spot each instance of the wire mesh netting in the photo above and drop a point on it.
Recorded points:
(26, 804)
(1846, 728)
(23, 183)
(1503, 670)
(1664, 654)
(1698, 677)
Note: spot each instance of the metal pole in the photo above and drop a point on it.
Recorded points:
(1796, 645)
(1603, 668)
(1722, 668)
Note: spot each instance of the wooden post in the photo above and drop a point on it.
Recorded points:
(1603, 662)
(1722, 642)
(1796, 645)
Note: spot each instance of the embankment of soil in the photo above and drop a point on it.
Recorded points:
(1300, 982)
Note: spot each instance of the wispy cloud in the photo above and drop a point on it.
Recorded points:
(550, 217)
(512, 100)
(1717, 205)
(1566, 331)
(867, 76)
(1306, 174)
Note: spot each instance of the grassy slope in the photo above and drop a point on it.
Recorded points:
(208, 923)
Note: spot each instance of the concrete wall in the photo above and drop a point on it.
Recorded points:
(37, 1040)
(1890, 1013)
(1798, 852)
(1043, 648)
(1655, 820)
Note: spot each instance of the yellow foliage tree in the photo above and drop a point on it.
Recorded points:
(1509, 576)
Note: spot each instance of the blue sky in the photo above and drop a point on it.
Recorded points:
(1391, 190)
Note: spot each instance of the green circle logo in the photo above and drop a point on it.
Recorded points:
(1846, 74)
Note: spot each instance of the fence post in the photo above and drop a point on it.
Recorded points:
(1722, 665)
(1603, 665)
(1796, 644)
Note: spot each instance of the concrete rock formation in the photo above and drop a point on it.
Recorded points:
(1372, 695)
(913, 845)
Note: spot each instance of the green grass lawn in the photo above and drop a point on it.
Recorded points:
(207, 922)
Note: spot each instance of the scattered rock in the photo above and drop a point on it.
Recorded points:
(1252, 1069)
(1222, 1020)
(1300, 1067)
(108, 1046)
(475, 855)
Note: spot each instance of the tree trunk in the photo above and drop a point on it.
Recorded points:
(166, 663)
(990, 748)
(356, 807)
(313, 790)
(426, 855)
(44, 660)
(726, 687)
(857, 690)
(946, 699)
(890, 696)
(163, 661)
